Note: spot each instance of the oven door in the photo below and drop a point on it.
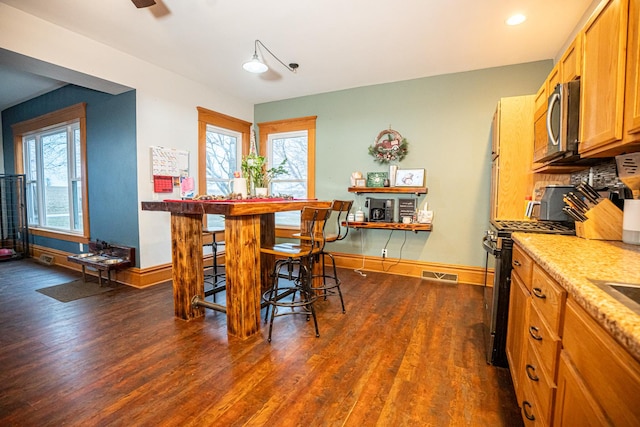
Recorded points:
(496, 298)
(490, 245)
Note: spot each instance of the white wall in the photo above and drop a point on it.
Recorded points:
(166, 105)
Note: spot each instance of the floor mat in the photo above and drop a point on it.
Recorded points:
(75, 290)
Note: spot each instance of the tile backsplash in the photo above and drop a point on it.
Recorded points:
(604, 175)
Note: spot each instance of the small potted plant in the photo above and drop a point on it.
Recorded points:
(254, 168)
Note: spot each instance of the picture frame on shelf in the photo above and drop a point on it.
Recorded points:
(361, 182)
(410, 177)
(376, 179)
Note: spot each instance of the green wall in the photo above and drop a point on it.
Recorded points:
(447, 121)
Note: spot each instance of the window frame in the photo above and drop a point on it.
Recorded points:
(307, 124)
(222, 121)
(62, 117)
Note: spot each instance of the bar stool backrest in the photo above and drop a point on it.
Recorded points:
(312, 223)
(342, 208)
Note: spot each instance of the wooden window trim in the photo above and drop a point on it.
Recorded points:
(209, 117)
(56, 118)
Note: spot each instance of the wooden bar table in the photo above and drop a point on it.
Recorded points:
(248, 225)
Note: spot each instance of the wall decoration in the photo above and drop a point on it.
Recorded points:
(389, 146)
(410, 178)
(376, 179)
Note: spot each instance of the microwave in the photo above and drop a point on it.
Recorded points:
(563, 123)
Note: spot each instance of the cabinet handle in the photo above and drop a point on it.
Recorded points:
(534, 332)
(538, 292)
(530, 417)
(532, 376)
(516, 263)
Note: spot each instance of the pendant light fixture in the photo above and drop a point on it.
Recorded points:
(255, 65)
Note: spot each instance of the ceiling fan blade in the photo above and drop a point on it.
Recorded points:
(143, 3)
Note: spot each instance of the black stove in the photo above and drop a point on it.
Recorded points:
(549, 227)
(498, 244)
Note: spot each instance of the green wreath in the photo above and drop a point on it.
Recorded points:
(389, 146)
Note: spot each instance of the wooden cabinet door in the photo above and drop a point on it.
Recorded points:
(540, 123)
(575, 406)
(632, 103)
(571, 61)
(540, 138)
(516, 340)
(515, 132)
(554, 78)
(495, 133)
(607, 370)
(603, 78)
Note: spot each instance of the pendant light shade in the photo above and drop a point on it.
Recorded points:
(255, 65)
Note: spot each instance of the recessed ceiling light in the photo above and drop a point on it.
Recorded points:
(516, 19)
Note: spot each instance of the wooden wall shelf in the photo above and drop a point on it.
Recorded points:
(415, 227)
(392, 190)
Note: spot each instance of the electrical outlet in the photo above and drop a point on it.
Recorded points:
(81, 247)
(384, 252)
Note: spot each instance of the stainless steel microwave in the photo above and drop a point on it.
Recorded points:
(563, 123)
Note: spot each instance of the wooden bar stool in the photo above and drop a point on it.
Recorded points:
(215, 278)
(294, 264)
(341, 208)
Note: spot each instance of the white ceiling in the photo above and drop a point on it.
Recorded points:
(339, 44)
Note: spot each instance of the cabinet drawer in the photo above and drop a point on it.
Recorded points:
(530, 408)
(548, 297)
(545, 341)
(540, 383)
(609, 372)
(523, 265)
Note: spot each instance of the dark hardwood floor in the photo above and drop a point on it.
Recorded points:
(406, 353)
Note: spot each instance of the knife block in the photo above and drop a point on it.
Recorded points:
(604, 222)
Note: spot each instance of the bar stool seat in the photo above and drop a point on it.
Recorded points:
(292, 273)
(214, 276)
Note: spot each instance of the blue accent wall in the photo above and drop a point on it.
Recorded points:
(111, 160)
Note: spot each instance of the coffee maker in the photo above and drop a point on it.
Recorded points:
(552, 203)
(380, 210)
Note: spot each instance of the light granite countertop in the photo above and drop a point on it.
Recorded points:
(573, 261)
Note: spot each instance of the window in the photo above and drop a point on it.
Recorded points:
(222, 159)
(221, 142)
(50, 151)
(292, 146)
(293, 139)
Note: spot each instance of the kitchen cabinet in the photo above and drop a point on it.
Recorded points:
(542, 343)
(603, 80)
(632, 97)
(518, 314)
(540, 124)
(571, 61)
(599, 381)
(554, 78)
(575, 406)
(572, 372)
(533, 337)
(512, 139)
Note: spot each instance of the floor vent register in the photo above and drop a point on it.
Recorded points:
(440, 277)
